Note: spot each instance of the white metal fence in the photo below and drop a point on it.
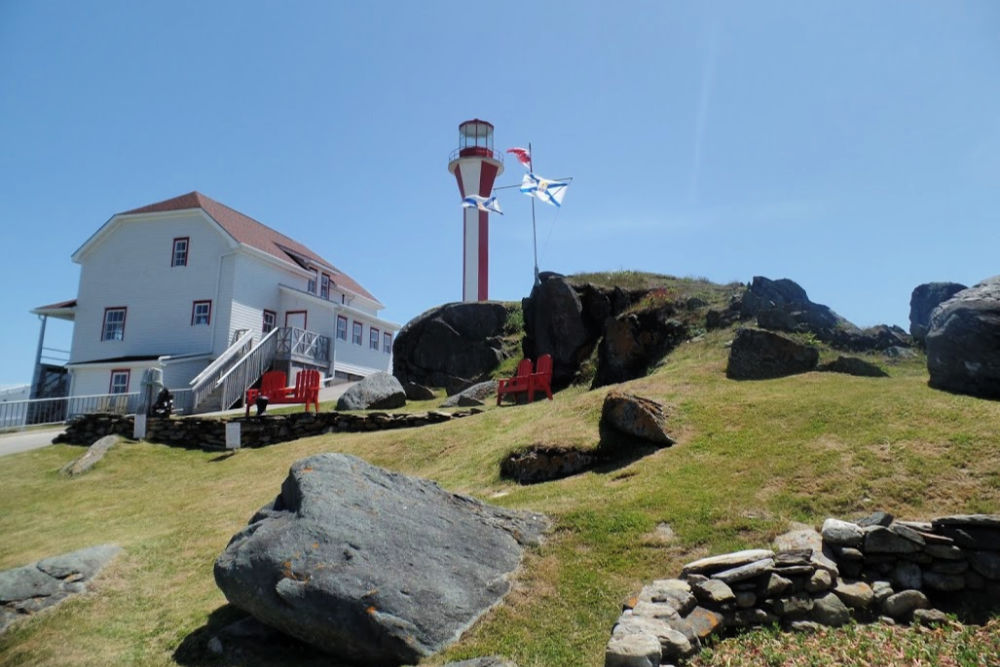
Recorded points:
(29, 412)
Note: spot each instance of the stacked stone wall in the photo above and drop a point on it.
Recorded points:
(210, 433)
(876, 569)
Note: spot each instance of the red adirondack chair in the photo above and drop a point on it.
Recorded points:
(271, 384)
(306, 389)
(541, 379)
(520, 382)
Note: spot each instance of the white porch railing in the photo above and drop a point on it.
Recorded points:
(302, 344)
(33, 411)
(247, 370)
(204, 383)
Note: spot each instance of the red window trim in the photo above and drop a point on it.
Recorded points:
(387, 342)
(104, 321)
(378, 338)
(361, 336)
(329, 284)
(111, 378)
(194, 305)
(173, 250)
(339, 318)
(263, 320)
(305, 320)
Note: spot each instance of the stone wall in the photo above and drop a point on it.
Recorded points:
(876, 569)
(210, 432)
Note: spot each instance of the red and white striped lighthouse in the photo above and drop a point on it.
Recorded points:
(475, 165)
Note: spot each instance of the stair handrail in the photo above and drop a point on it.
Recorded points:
(205, 382)
(247, 370)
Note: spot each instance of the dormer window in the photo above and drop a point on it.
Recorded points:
(179, 256)
(311, 285)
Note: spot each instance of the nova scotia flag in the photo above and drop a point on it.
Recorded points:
(488, 204)
(550, 192)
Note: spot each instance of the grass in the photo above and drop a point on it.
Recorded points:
(751, 457)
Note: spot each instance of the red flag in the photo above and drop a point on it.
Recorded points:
(522, 154)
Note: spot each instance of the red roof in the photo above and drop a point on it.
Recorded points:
(246, 230)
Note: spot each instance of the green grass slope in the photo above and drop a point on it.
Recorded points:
(750, 458)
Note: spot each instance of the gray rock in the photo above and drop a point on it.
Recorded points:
(378, 391)
(453, 346)
(633, 342)
(659, 610)
(969, 521)
(986, 563)
(713, 592)
(880, 540)
(924, 299)
(28, 589)
(417, 392)
(794, 606)
(477, 394)
(857, 595)
(726, 561)
(972, 537)
(369, 565)
(702, 622)
(881, 590)
(944, 551)
(753, 616)
(761, 355)
(876, 518)
(907, 533)
(963, 354)
(821, 580)
(93, 455)
(947, 583)
(805, 627)
(635, 416)
(842, 533)
(745, 599)
(542, 463)
(777, 585)
(907, 575)
(851, 554)
(830, 610)
(949, 566)
(555, 322)
(853, 366)
(633, 650)
(902, 604)
(930, 617)
(745, 572)
(674, 592)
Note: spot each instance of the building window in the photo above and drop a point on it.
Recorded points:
(324, 286)
(387, 342)
(201, 312)
(114, 324)
(270, 317)
(341, 327)
(179, 254)
(311, 285)
(373, 339)
(119, 381)
(356, 334)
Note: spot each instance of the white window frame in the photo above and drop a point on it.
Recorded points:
(357, 333)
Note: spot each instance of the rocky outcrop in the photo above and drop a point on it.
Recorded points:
(782, 305)
(853, 366)
(91, 458)
(761, 355)
(636, 417)
(543, 463)
(378, 391)
(452, 346)
(559, 322)
(879, 569)
(417, 392)
(31, 588)
(963, 342)
(477, 394)
(372, 566)
(632, 343)
(924, 299)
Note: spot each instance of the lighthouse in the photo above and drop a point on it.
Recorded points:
(475, 165)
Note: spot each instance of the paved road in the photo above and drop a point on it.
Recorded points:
(11, 443)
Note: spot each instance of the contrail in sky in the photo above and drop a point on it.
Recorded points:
(701, 119)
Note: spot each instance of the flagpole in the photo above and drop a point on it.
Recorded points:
(534, 233)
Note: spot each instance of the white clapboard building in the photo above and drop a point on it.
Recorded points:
(212, 298)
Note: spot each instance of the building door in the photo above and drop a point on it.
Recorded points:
(295, 318)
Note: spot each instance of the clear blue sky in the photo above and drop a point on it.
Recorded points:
(852, 147)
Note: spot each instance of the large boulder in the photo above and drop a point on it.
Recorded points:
(853, 366)
(924, 299)
(475, 395)
(375, 567)
(452, 346)
(635, 416)
(782, 305)
(633, 342)
(45, 583)
(555, 323)
(378, 391)
(760, 355)
(963, 342)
